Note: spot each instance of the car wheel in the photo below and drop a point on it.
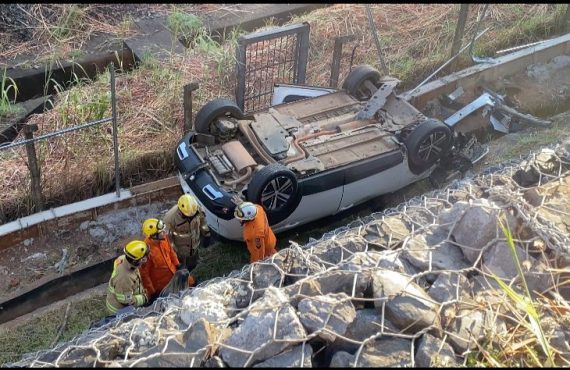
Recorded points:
(362, 82)
(215, 109)
(427, 143)
(276, 189)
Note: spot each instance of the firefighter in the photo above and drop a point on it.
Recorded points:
(257, 234)
(125, 286)
(187, 226)
(162, 261)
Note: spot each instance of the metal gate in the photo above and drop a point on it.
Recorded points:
(269, 57)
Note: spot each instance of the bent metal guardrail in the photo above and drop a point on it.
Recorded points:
(30, 140)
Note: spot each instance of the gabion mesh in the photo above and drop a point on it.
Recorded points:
(401, 287)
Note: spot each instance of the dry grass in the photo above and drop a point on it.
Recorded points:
(415, 38)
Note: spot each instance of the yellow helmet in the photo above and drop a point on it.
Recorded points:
(136, 250)
(152, 226)
(188, 205)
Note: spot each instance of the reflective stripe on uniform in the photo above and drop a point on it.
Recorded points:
(122, 298)
(112, 309)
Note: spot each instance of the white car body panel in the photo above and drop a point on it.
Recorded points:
(311, 208)
(384, 182)
(282, 91)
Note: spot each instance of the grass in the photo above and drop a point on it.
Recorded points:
(527, 141)
(495, 352)
(39, 333)
(7, 107)
(69, 22)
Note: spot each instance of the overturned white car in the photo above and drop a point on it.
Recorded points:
(317, 153)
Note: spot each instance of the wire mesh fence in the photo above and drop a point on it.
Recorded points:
(415, 285)
(269, 57)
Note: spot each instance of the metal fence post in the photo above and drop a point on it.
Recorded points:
(336, 58)
(188, 89)
(35, 174)
(303, 54)
(459, 29)
(374, 31)
(115, 140)
(240, 72)
(566, 21)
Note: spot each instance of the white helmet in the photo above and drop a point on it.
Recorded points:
(245, 211)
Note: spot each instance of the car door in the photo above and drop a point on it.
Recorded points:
(321, 197)
(373, 177)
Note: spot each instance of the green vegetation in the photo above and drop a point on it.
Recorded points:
(521, 305)
(40, 332)
(184, 26)
(7, 84)
(70, 22)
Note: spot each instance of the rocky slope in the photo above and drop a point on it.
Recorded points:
(413, 286)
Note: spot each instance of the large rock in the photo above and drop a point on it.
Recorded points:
(354, 284)
(406, 303)
(297, 265)
(368, 322)
(384, 352)
(388, 260)
(200, 335)
(541, 278)
(339, 249)
(449, 286)
(298, 356)
(442, 256)
(168, 360)
(498, 259)
(329, 315)
(476, 228)
(194, 309)
(270, 327)
(432, 352)
(387, 233)
(466, 330)
(447, 219)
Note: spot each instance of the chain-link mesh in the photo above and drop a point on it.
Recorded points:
(410, 286)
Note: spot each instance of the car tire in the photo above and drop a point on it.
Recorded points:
(427, 143)
(354, 83)
(214, 109)
(264, 189)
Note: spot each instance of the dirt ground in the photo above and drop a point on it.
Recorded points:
(27, 30)
(94, 241)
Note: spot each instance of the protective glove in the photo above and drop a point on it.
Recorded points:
(237, 200)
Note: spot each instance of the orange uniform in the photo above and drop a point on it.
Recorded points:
(259, 237)
(157, 272)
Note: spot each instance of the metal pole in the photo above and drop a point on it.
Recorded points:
(376, 39)
(115, 140)
(337, 57)
(188, 89)
(477, 29)
(35, 174)
(335, 65)
(449, 61)
(567, 19)
(53, 134)
(240, 72)
(459, 29)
